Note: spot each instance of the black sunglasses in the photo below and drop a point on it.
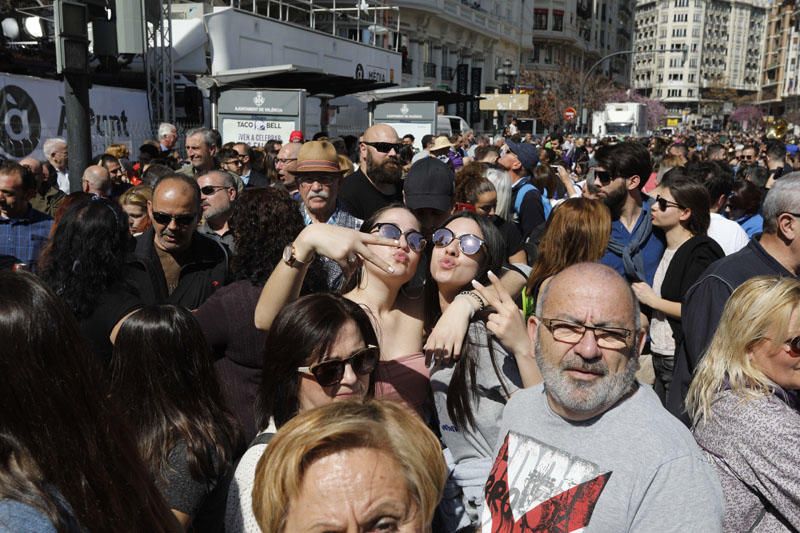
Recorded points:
(165, 218)
(663, 203)
(416, 240)
(604, 176)
(385, 148)
(209, 190)
(468, 243)
(330, 373)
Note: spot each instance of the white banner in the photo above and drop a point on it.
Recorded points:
(32, 110)
(256, 132)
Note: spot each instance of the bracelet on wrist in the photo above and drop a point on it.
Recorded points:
(476, 298)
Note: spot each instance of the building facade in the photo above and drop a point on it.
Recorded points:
(459, 45)
(699, 57)
(573, 34)
(779, 93)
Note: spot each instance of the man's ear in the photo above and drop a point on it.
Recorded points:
(533, 328)
(633, 182)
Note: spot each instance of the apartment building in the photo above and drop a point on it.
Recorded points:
(576, 33)
(699, 57)
(780, 94)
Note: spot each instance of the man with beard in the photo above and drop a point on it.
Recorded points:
(378, 181)
(590, 448)
(218, 194)
(172, 262)
(635, 248)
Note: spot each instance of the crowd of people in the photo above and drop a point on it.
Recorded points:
(380, 333)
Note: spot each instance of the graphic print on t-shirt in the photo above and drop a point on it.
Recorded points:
(535, 487)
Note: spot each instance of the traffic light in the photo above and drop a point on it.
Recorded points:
(72, 37)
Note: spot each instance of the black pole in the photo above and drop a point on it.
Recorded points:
(79, 140)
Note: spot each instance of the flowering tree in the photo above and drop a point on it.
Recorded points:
(655, 109)
(747, 115)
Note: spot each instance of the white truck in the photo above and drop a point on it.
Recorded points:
(623, 119)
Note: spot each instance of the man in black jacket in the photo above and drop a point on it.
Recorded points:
(250, 177)
(775, 253)
(172, 262)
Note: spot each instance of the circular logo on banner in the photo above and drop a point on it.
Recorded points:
(359, 72)
(21, 127)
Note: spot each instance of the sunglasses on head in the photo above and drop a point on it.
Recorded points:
(385, 148)
(663, 203)
(416, 240)
(165, 218)
(468, 243)
(330, 373)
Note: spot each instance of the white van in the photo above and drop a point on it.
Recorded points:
(450, 125)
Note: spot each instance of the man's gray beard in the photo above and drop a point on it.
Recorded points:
(603, 392)
(382, 173)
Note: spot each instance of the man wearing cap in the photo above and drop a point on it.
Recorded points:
(428, 191)
(296, 136)
(519, 161)
(318, 178)
(378, 181)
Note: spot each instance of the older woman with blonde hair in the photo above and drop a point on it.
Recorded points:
(743, 406)
(347, 466)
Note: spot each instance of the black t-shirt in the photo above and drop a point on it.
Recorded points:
(111, 306)
(362, 199)
(511, 236)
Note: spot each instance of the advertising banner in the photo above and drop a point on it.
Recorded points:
(32, 110)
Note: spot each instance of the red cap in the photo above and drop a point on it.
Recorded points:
(296, 136)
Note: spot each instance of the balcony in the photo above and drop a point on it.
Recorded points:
(429, 70)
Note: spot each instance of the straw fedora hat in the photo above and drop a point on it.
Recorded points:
(440, 143)
(317, 156)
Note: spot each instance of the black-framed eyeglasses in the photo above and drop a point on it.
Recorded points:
(165, 218)
(330, 373)
(663, 203)
(210, 190)
(236, 162)
(416, 240)
(285, 160)
(468, 243)
(321, 177)
(795, 215)
(572, 333)
(385, 148)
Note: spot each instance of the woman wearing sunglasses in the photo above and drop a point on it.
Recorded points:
(681, 210)
(743, 405)
(470, 393)
(320, 349)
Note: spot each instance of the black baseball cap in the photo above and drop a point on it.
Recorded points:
(527, 154)
(430, 184)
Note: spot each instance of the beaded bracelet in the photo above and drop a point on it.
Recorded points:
(477, 298)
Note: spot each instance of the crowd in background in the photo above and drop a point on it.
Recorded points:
(383, 333)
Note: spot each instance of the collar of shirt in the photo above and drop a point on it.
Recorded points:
(331, 220)
(245, 178)
(27, 218)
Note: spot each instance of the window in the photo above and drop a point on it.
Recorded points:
(558, 20)
(672, 93)
(681, 3)
(679, 32)
(690, 92)
(691, 78)
(540, 19)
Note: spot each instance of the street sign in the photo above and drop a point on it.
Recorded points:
(504, 102)
(570, 114)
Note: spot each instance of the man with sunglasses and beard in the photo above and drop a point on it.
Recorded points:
(172, 262)
(635, 248)
(378, 181)
(318, 179)
(591, 447)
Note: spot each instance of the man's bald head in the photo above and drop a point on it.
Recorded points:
(96, 180)
(381, 133)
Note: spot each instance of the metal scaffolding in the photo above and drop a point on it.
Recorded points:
(157, 27)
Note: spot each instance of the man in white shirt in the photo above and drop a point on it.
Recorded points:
(55, 150)
(718, 180)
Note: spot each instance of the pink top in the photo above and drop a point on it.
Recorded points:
(405, 380)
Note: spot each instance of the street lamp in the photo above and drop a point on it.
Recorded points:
(509, 73)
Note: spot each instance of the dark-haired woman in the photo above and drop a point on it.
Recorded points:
(84, 264)
(263, 222)
(320, 349)
(67, 459)
(163, 376)
(470, 393)
(743, 206)
(681, 210)
(476, 190)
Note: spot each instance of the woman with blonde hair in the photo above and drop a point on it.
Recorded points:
(350, 465)
(577, 231)
(742, 404)
(134, 202)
